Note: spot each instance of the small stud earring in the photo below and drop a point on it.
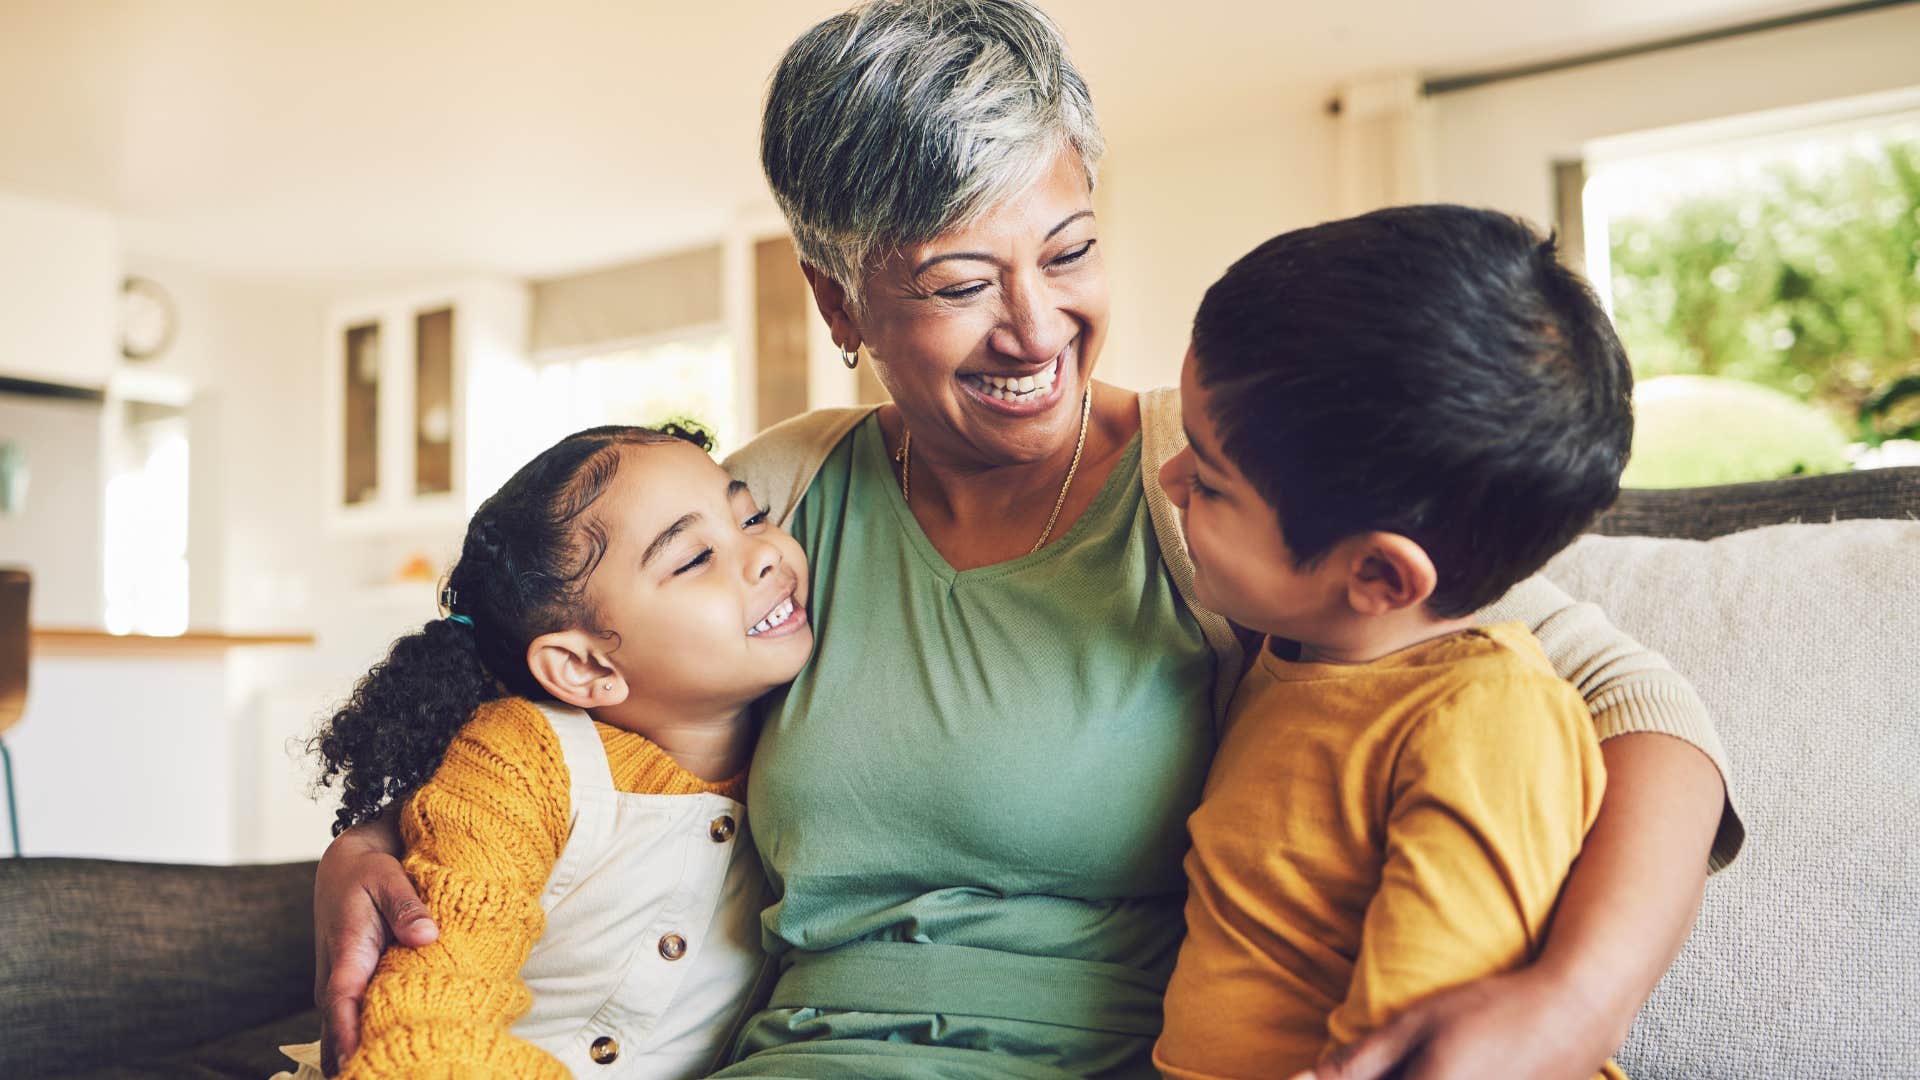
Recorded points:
(608, 687)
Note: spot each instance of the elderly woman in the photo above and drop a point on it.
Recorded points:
(971, 805)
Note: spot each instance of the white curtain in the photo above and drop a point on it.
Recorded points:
(1384, 148)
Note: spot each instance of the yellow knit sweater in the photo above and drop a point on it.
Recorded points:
(482, 837)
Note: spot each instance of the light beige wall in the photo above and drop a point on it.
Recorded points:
(1495, 145)
(1176, 211)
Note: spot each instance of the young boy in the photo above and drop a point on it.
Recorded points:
(1392, 420)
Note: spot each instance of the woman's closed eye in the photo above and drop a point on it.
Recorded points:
(961, 292)
(695, 563)
(1076, 254)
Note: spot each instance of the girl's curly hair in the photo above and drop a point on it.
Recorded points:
(522, 573)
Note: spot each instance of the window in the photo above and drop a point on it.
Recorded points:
(692, 378)
(146, 523)
(1767, 289)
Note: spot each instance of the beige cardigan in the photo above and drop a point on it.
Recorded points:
(1629, 688)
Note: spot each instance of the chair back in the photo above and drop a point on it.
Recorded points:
(15, 586)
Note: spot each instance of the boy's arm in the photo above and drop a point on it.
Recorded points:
(1488, 803)
(482, 837)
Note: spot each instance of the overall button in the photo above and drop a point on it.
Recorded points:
(722, 829)
(673, 947)
(604, 1050)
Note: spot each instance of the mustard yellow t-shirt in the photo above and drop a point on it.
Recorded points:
(1369, 834)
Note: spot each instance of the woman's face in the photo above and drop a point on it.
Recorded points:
(986, 336)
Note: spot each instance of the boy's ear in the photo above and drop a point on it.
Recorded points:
(570, 665)
(1388, 572)
(834, 307)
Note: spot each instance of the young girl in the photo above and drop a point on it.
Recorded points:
(575, 732)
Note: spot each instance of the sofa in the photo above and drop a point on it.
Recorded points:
(1803, 638)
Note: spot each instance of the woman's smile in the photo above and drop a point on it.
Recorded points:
(1026, 394)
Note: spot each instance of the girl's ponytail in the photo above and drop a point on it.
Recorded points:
(391, 734)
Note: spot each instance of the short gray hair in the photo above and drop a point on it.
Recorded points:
(896, 120)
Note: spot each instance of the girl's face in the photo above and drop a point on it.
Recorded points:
(700, 600)
(1018, 294)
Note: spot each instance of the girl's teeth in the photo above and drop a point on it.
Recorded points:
(774, 618)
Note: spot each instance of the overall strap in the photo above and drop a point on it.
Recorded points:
(590, 798)
(580, 745)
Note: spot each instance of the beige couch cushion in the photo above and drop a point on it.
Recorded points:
(1805, 642)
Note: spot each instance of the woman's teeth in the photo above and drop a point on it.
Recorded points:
(774, 618)
(1025, 388)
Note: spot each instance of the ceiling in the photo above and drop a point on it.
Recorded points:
(533, 137)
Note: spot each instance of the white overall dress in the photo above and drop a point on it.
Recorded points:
(651, 952)
(652, 948)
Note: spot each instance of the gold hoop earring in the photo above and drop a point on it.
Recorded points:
(850, 357)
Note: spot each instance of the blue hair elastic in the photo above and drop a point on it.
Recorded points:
(462, 620)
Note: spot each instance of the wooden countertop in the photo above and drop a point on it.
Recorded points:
(88, 641)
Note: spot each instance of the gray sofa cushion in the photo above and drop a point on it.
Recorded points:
(1803, 640)
(113, 965)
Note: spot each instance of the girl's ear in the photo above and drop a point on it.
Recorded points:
(569, 665)
(831, 299)
(1387, 572)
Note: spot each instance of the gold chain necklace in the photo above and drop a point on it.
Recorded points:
(905, 458)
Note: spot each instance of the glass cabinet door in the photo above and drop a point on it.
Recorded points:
(362, 414)
(433, 402)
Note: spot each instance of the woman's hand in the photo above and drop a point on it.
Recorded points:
(362, 901)
(1517, 1025)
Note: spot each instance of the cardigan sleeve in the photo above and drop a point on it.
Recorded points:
(1629, 688)
(482, 835)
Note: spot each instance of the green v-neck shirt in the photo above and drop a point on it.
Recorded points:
(972, 803)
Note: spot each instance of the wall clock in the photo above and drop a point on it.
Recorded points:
(148, 319)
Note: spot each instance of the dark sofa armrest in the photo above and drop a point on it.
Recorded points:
(1703, 513)
(103, 961)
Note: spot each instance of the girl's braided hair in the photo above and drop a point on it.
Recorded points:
(522, 573)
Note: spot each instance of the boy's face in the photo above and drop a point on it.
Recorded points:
(1242, 568)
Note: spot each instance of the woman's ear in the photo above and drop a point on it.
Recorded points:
(834, 305)
(569, 665)
(1387, 572)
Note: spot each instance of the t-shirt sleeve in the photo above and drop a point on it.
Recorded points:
(482, 836)
(1489, 800)
(1629, 688)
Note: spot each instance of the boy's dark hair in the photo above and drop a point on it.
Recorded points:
(522, 573)
(1432, 371)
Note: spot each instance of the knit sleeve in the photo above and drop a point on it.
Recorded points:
(1629, 688)
(482, 836)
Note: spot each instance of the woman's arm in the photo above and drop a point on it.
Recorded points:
(1624, 914)
(362, 902)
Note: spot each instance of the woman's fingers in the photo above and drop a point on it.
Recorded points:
(404, 912)
(362, 901)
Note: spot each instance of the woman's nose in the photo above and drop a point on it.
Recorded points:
(1035, 328)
